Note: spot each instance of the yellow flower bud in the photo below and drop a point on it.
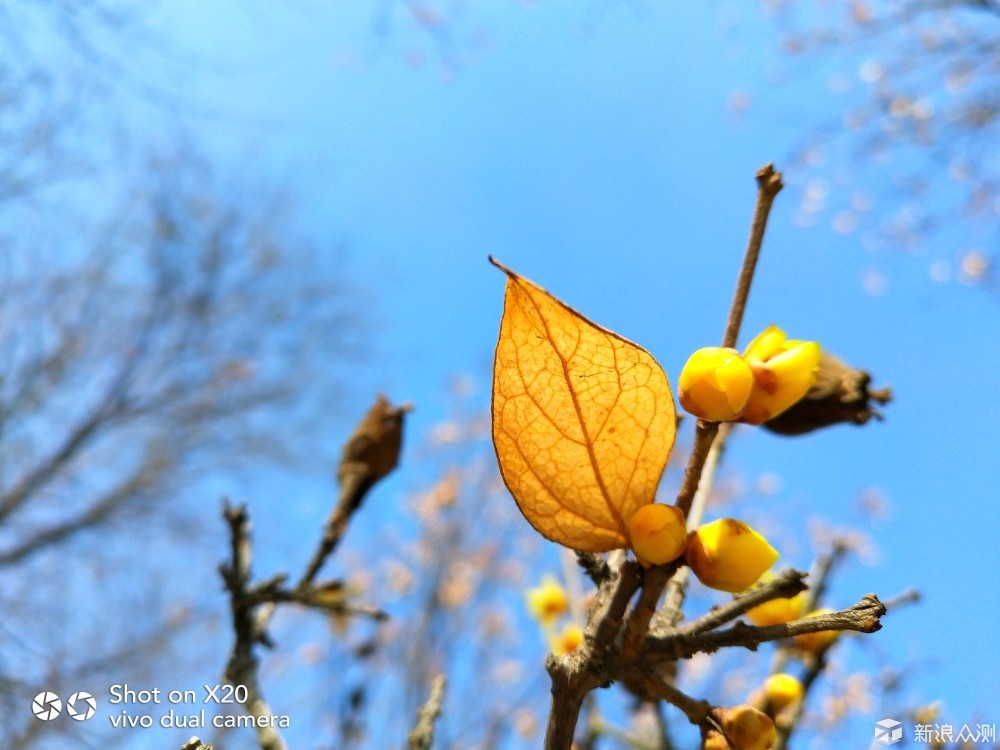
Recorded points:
(783, 372)
(777, 611)
(728, 555)
(715, 384)
(816, 642)
(569, 639)
(658, 533)
(782, 690)
(548, 601)
(715, 741)
(746, 727)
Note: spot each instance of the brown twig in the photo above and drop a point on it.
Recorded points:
(768, 186)
(577, 673)
(242, 666)
(642, 614)
(910, 596)
(819, 578)
(594, 566)
(368, 456)
(815, 668)
(421, 737)
(328, 596)
(677, 585)
(195, 744)
(863, 617)
(784, 586)
(589, 666)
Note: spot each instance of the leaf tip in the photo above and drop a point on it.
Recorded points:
(500, 265)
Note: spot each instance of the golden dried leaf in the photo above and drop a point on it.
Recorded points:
(583, 420)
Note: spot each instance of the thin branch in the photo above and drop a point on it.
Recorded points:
(784, 586)
(422, 735)
(317, 597)
(677, 586)
(910, 596)
(819, 578)
(704, 436)
(368, 456)
(242, 667)
(768, 186)
(97, 513)
(815, 668)
(598, 660)
(863, 617)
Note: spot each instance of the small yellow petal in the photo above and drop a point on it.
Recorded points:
(777, 611)
(547, 601)
(747, 727)
(783, 372)
(658, 533)
(715, 384)
(567, 640)
(728, 555)
(768, 343)
(782, 690)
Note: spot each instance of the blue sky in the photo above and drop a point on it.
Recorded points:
(591, 147)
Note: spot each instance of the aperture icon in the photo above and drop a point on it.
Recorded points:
(46, 706)
(81, 706)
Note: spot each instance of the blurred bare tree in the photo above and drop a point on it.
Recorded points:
(158, 323)
(912, 87)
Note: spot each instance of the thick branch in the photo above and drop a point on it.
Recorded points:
(576, 674)
(594, 566)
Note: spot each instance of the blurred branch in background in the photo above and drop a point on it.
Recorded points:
(161, 320)
(919, 102)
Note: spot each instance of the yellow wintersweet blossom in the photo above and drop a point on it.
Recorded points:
(816, 642)
(782, 690)
(783, 372)
(747, 727)
(777, 611)
(547, 601)
(715, 384)
(658, 533)
(728, 555)
(567, 640)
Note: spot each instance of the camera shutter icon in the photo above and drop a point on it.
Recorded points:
(46, 706)
(81, 706)
(888, 731)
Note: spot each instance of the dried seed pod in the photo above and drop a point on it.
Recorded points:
(840, 394)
